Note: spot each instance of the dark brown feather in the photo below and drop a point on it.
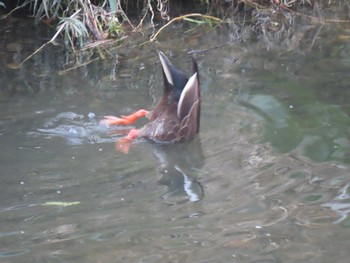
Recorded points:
(176, 117)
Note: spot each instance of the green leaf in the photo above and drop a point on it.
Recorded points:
(194, 21)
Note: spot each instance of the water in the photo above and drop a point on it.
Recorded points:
(267, 180)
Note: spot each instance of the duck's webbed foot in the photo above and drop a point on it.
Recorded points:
(123, 144)
(125, 119)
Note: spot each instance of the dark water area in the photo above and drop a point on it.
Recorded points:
(267, 179)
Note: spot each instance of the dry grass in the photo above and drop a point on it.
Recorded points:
(90, 23)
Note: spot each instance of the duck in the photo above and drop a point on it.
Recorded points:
(176, 116)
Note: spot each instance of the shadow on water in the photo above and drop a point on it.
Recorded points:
(267, 180)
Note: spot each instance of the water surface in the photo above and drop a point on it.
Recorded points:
(267, 180)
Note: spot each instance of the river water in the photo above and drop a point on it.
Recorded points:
(267, 179)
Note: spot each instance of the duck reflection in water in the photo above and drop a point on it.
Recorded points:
(179, 165)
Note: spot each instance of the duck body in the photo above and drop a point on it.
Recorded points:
(176, 117)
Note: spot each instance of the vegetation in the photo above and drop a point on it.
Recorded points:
(91, 23)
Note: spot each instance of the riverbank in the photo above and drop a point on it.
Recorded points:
(88, 24)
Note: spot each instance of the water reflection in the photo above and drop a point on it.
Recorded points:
(316, 130)
(341, 204)
(179, 165)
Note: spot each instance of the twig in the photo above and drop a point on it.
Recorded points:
(207, 49)
(141, 21)
(314, 38)
(152, 15)
(13, 10)
(62, 72)
(154, 36)
(163, 8)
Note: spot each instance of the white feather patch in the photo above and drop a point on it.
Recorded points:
(166, 70)
(190, 84)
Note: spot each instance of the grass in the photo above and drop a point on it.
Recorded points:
(90, 23)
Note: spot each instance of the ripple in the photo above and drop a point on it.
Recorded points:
(13, 253)
(269, 218)
(105, 236)
(75, 128)
(314, 216)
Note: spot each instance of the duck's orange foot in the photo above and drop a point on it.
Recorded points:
(123, 144)
(111, 120)
(124, 120)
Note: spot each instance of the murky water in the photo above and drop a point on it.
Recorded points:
(267, 180)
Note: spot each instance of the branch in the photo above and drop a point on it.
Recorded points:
(154, 36)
